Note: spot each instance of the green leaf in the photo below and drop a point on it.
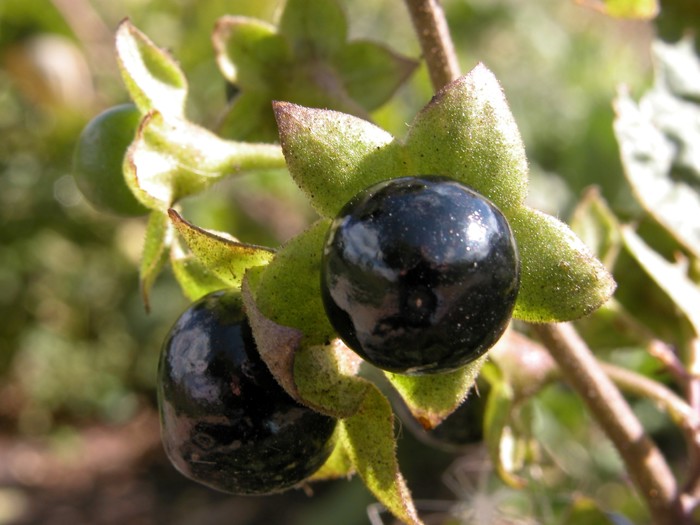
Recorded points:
(289, 289)
(159, 235)
(312, 28)
(249, 117)
(560, 280)
(467, 132)
(154, 80)
(659, 143)
(224, 257)
(249, 52)
(171, 159)
(372, 73)
(431, 398)
(326, 379)
(369, 437)
(306, 60)
(671, 278)
(332, 156)
(595, 223)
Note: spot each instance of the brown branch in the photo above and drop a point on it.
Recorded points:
(644, 462)
(435, 41)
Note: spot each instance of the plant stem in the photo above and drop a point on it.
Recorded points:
(435, 41)
(645, 464)
(676, 407)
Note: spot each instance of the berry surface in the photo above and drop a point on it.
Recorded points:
(225, 422)
(419, 274)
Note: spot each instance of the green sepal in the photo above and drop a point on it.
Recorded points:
(171, 159)
(222, 256)
(468, 133)
(152, 77)
(332, 156)
(194, 278)
(159, 236)
(326, 379)
(338, 465)
(289, 288)
(431, 398)
(560, 280)
(276, 344)
(370, 442)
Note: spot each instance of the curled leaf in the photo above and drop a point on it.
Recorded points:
(152, 77)
(227, 259)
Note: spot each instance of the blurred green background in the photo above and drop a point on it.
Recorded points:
(78, 353)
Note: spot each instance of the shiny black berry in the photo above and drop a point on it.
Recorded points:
(419, 274)
(225, 422)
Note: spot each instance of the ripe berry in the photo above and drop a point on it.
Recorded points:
(419, 274)
(225, 422)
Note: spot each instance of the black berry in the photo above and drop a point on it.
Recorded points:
(225, 421)
(420, 274)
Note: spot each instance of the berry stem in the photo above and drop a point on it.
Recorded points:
(645, 463)
(434, 35)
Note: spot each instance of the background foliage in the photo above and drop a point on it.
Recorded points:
(77, 350)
